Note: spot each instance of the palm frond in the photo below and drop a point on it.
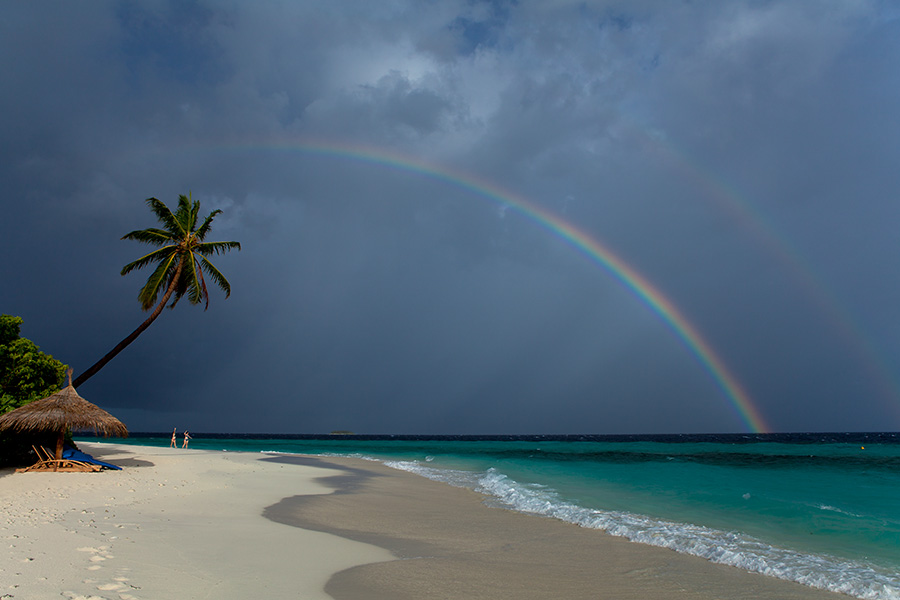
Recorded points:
(143, 261)
(204, 292)
(210, 248)
(160, 278)
(195, 212)
(164, 215)
(205, 228)
(216, 276)
(153, 236)
(185, 214)
(182, 286)
(190, 277)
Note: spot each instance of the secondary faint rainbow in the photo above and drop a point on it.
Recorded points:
(730, 200)
(580, 240)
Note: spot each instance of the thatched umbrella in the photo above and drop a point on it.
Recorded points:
(60, 412)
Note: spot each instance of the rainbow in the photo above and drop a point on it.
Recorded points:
(581, 241)
(731, 201)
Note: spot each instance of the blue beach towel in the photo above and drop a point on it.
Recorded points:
(73, 454)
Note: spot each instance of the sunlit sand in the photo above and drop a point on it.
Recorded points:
(196, 524)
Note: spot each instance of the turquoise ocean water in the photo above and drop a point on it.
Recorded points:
(820, 509)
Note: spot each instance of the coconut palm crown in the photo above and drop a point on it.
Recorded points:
(181, 255)
(181, 259)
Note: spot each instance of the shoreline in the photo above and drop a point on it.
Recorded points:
(450, 544)
(203, 523)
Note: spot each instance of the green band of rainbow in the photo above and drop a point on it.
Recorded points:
(580, 240)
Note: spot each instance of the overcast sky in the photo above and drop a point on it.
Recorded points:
(742, 157)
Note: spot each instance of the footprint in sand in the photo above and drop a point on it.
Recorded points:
(109, 587)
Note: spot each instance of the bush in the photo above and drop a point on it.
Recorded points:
(26, 374)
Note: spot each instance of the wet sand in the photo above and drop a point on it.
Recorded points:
(450, 544)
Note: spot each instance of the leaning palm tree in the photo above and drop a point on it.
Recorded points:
(181, 259)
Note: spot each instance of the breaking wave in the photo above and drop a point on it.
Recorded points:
(727, 547)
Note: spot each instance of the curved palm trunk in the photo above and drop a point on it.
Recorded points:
(134, 334)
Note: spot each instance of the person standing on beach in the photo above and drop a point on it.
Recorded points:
(174, 443)
(187, 436)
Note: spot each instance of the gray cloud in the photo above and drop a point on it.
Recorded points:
(740, 157)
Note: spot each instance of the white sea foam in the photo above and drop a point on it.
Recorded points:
(827, 507)
(466, 479)
(726, 547)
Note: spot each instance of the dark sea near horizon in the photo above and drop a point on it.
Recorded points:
(819, 509)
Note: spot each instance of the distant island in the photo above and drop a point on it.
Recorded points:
(341, 432)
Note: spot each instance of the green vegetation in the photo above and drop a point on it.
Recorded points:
(26, 373)
(180, 265)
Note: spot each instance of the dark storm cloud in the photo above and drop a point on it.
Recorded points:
(741, 156)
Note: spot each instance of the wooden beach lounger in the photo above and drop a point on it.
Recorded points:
(46, 462)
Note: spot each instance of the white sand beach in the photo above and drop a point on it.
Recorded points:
(202, 524)
(172, 524)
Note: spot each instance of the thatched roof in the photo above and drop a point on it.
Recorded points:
(60, 411)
